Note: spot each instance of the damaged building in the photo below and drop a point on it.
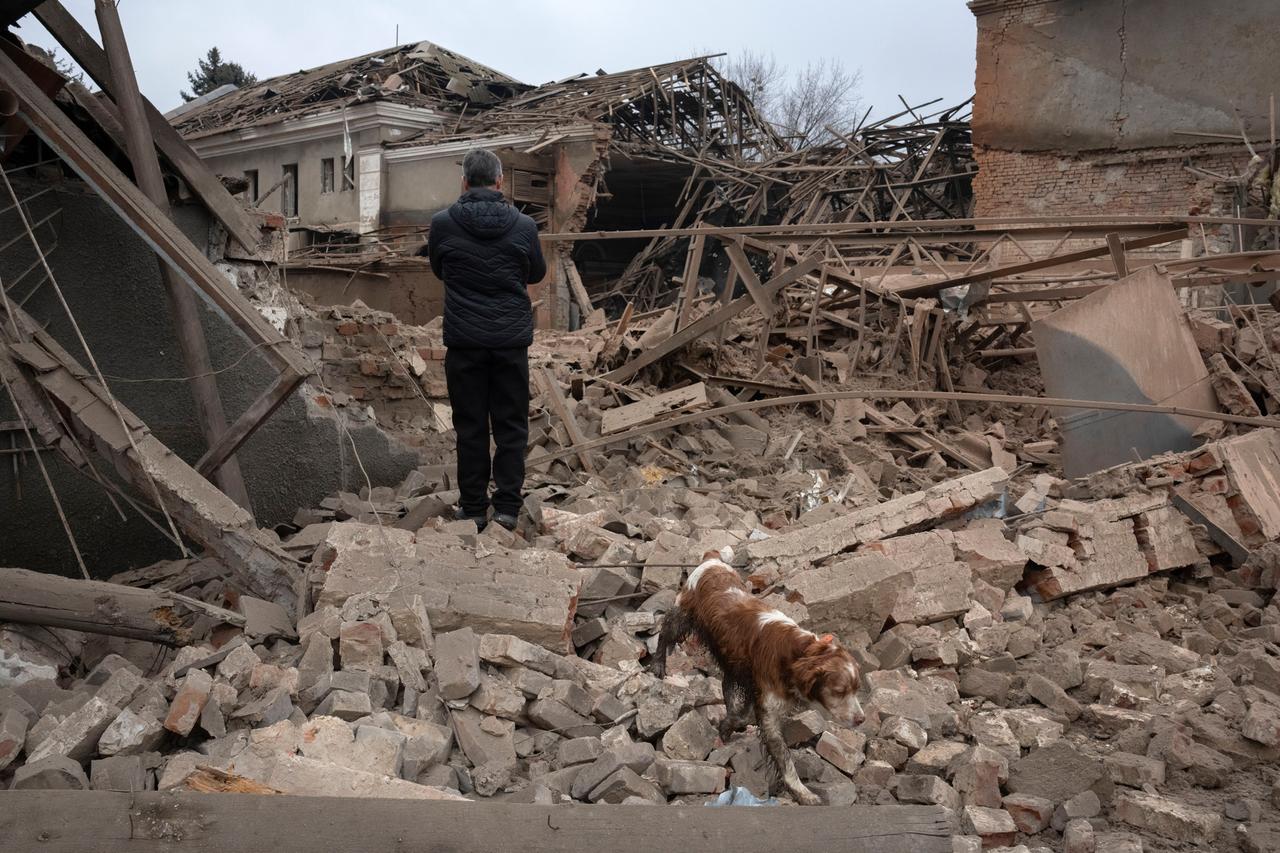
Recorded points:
(990, 398)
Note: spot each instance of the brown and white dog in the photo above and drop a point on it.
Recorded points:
(769, 663)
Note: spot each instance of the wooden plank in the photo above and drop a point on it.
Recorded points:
(247, 424)
(689, 287)
(149, 222)
(888, 394)
(679, 400)
(204, 513)
(738, 257)
(203, 182)
(1115, 245)
(551, 389)
(710, 322)
(932, 288)
(98, 607)
(576, 287)
(106, 822)
(210, 415)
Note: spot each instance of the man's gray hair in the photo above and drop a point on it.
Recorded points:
(481, 168)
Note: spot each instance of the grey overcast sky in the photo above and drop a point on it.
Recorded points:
(920, 49)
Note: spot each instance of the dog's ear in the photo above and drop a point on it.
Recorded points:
(808, 668)
(710, 555)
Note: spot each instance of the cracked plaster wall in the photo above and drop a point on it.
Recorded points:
(1079, 75)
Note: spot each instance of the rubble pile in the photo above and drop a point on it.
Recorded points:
(820, 362)
(1007, 678)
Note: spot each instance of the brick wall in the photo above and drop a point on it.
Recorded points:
(370, 360)
(1148, 182)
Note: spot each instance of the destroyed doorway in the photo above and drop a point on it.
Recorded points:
(638, 192)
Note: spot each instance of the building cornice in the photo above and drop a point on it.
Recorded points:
(407, 153)
(316, 126)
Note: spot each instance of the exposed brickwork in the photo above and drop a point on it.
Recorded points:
(1147, 182)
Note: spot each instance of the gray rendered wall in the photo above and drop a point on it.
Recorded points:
(112, 284)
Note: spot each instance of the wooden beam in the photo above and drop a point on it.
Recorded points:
(103, 424)
(932, 288)
(551, 389)
(39, 598)
(887, 394)
(149, 222)
(679, 400)
(210, 415)
(203, 182)
(146, 821)
(576, 287)
(1116, 246)
(710, 322)
(689, 286)
(248, 422)
(738, 257)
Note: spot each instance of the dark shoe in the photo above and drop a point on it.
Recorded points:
(461, 514)
(506, 519)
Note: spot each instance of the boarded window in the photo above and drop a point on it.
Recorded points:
(326, 175)
(251, 175)
(348, 173)
(289, 189)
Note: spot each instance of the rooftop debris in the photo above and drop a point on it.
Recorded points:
(422, 74)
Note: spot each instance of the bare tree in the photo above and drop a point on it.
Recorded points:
(822, 93)
(759, 75)
(800, 103)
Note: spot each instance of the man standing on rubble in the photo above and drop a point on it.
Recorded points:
(487, 254)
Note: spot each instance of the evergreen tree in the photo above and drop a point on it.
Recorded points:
(211, 72)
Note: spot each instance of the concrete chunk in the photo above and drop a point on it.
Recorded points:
(484, 740)
(360, 645)
(1134, 771)
(994, 826)
(530, 593)
(843, 749)
(1052, 696)
(1261, 724)
(939, 502)
(689, 777)
(51, 773)
(13, 735)
(1168, 818)
(1058, 772)
(926, 789)
(77, 735)
(457, 663)
(131, 734)
(690, 739)
(992, 558)
(125, 773)
(1030, 814)
(857, 594)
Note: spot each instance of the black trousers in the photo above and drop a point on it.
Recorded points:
(489, 392)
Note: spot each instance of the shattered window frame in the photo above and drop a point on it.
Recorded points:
(348, 173)
(326, 175)
(289, 189)
(251, 175)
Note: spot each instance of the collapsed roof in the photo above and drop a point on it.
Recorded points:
(675, 106)
(421, 75)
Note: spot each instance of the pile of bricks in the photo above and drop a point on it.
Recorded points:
(1000, 682)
